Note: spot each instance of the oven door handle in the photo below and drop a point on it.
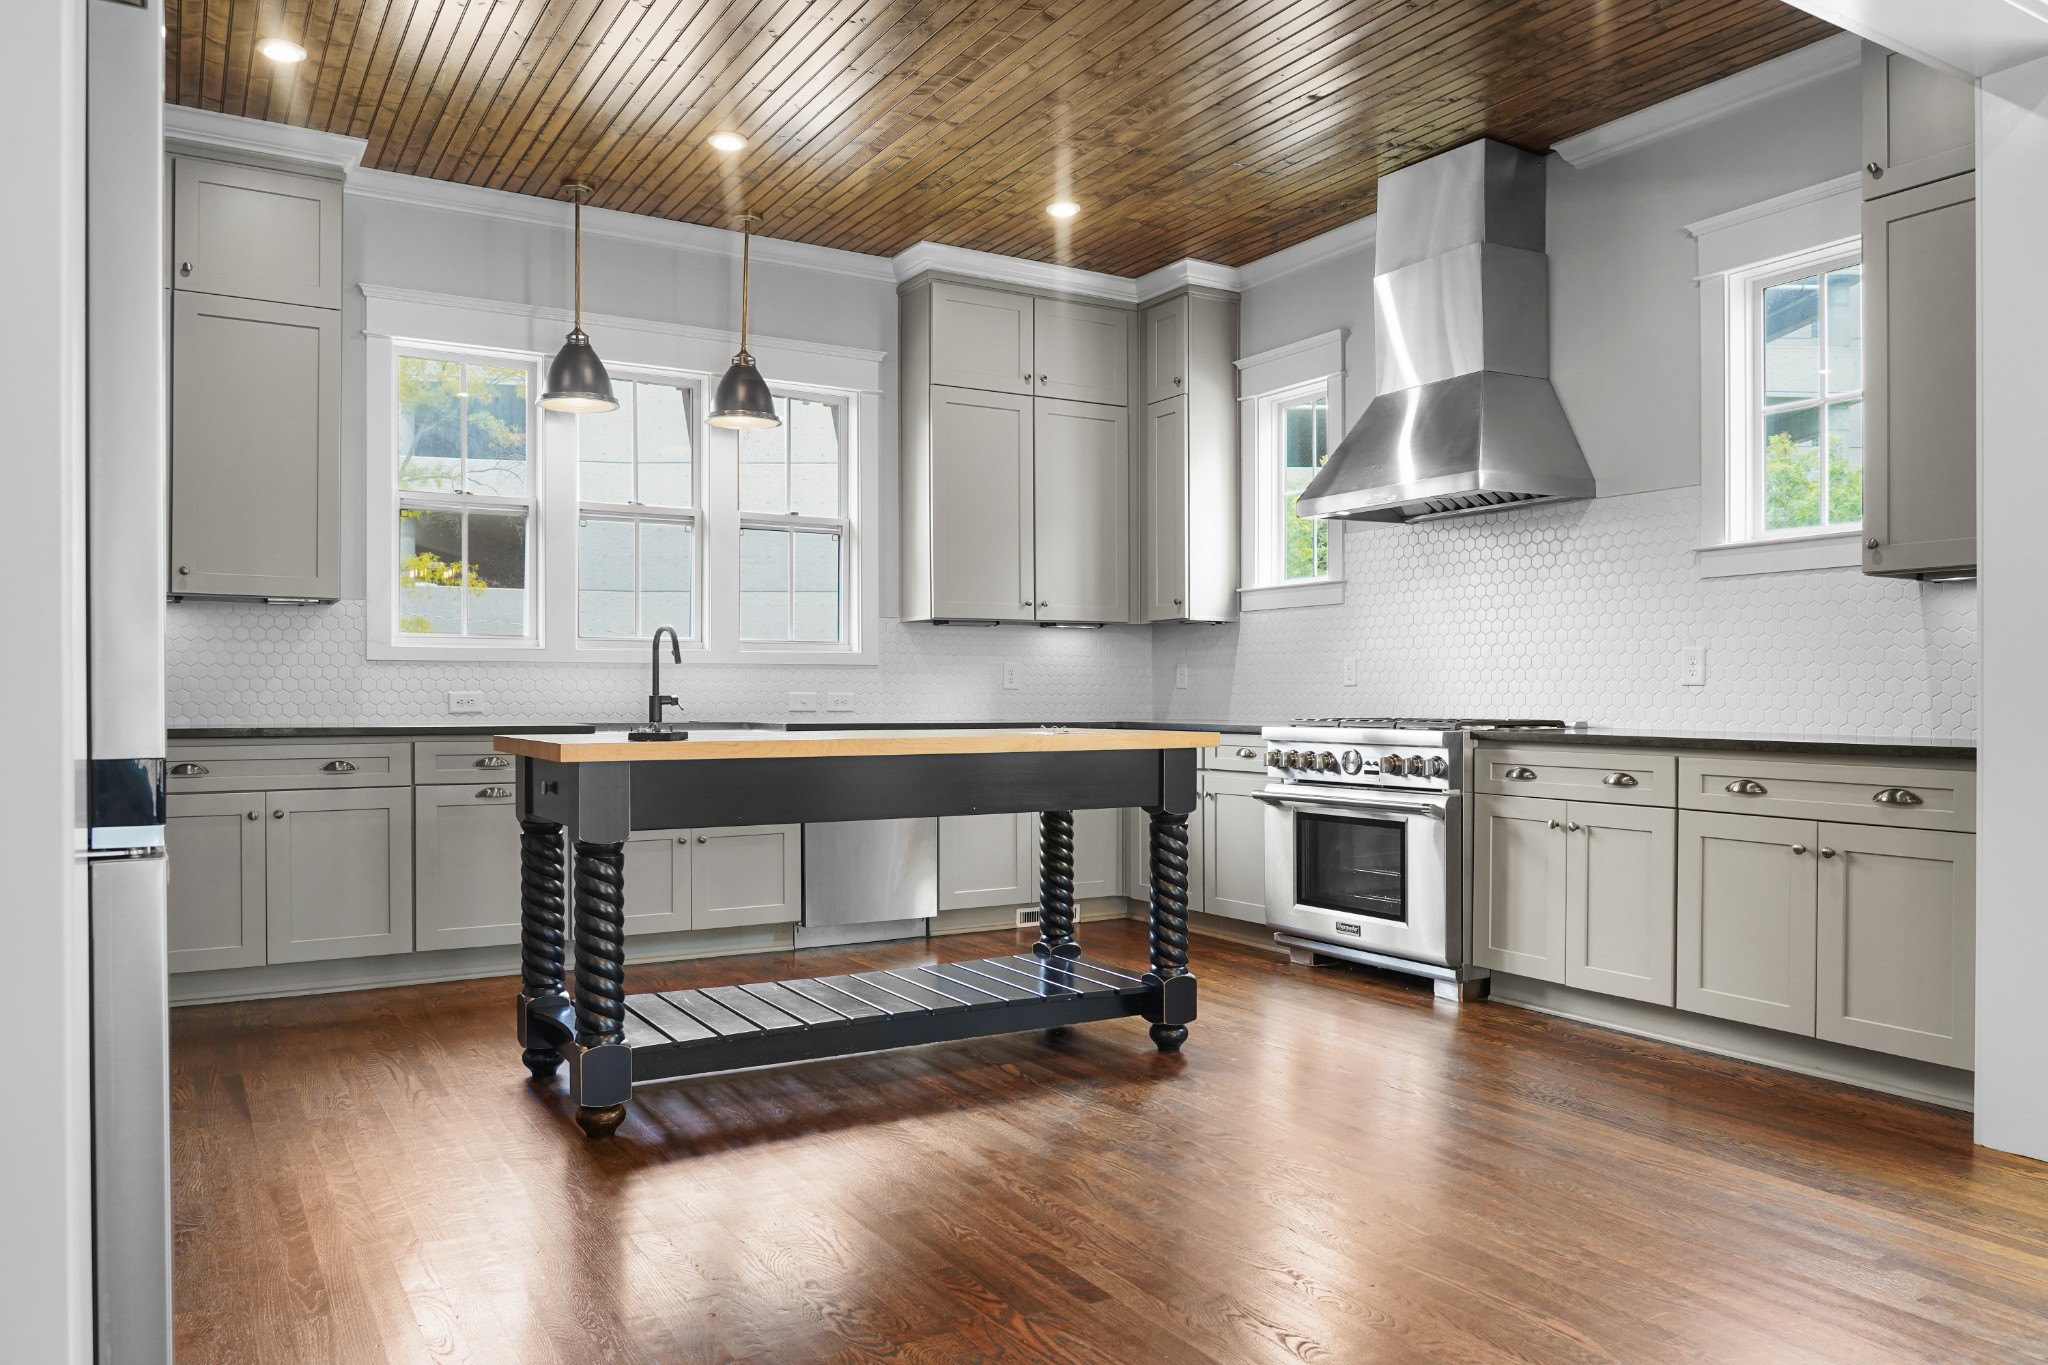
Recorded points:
(1349, 807)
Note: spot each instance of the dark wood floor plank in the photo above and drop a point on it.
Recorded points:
(1336, 1169)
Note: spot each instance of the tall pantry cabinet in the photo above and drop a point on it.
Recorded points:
(1190, 461)
(254, 260)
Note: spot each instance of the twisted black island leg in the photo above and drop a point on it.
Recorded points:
(1169, 929)
(602, 1075)
(542, 910)
(1056, 886)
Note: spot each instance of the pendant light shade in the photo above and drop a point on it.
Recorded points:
(577, 380)
(743, 402)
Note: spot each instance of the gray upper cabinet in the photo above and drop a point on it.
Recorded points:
(255, 449)
(1919, 124)
(1081, 479)
(255, 234)
(977, 557)
(1190, 461)
(1083, 351)
(466, 857)
(1920, 350)
(981, 338)
(215, 909)
(338, 873)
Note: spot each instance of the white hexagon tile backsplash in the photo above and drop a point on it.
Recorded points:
(1580, 611)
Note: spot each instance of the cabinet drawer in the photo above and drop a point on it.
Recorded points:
(435, 761)
(1237, 754)
(287, 767)
(1628, 777)
(1898, 792)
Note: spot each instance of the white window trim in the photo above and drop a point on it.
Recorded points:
(1265, 380)
(1820, 223)
(398, 318)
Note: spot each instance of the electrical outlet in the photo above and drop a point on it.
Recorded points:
(1692, 666)
(1012, 678)
(1180, 675)
(839, 701)
(803, 701)
(1351, 672)
(465, 703)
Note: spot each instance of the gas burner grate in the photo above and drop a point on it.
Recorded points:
(1428, 723)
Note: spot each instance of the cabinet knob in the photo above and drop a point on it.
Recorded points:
(184, 568)
(1176, 381)
(1876, 171)
(1045, 379)
(1027, 376)
(701, 839)
(185, 268)
(1743, 786)
(1827, 853)
(1574, 827)
(1176, 601)
(253, 815)
(277, 815)
(1553, 824)
(1870, 543)
(1799, 850)
(1045, 604)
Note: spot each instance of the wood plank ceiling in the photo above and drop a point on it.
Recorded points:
(1216, 129)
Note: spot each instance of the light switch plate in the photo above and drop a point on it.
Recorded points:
(839, 701)
(465, 703)
(1692, 666)
(1351, 672)
(1011, 675)
(803, 701)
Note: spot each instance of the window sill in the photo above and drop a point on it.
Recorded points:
(1321, 592)
(1836, 550)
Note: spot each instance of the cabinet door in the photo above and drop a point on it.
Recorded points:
(1166, 350)
(338, 868)
(1920, 389)
(215, 907)
(1098, 852)
(1620, 904)
(1746, 903)
(657, 876)
(1084, 351)
(1519, 885)
(981, 338)
(1898, 942)
(987, 860)
(982, 563)
(1919, 124)
(1137, 830)
(1234, 876)
(751, 874)
(466, 867)
(255, 448)
(255, 234)
(1081, 489)
(1166, 511)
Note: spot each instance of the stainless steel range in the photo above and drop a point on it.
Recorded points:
(1365, 838)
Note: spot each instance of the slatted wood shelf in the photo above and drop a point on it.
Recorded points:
(728, 1028)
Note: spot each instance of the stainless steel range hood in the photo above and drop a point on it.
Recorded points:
(1465, 420)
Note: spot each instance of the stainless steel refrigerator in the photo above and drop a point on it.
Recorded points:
(126, 481)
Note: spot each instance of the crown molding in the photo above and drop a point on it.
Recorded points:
(1829, 56)
(1353, 236)
(997, 269)
(230, 132)
(1812, 194)
(1189, 271)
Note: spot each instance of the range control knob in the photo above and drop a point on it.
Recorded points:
(1418, 766)
(1438, 767)
(1351, 762)
(1393, 765)
(1290, 759)
(1273, 757)
(1328, 763)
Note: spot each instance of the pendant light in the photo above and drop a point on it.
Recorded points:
(577, 381)
(744, 402)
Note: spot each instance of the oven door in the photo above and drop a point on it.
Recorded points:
(1365, 870)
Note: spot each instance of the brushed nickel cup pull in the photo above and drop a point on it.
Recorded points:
(1898, 796)
(1620, 780)
(494, 761)
(1520, 774)
(493, 793)
(339, 765)
(1247, 753)
(189, 770)
(1743, 786)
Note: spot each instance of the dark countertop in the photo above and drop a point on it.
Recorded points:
(189, 734)
(1751, 741)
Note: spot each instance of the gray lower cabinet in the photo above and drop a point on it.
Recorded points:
(678, 880)
(338, 873)
(1747, 887)
(1520, 885)
(1897, 941)
(658, 882)
(1234, 847)
(987, 860)
(255, 448)
(1098, 853)
(466, 866)
(215, 909)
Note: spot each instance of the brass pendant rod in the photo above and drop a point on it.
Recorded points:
(579, 262)
(746, 273)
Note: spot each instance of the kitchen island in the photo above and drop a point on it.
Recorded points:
(580, 796)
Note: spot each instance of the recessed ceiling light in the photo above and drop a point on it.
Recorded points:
(1064, 208)
(728, 142)
(281, 50)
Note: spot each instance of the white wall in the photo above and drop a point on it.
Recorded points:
(1579, 610)
(45, 1144)
(2012, 909)
(248, 663)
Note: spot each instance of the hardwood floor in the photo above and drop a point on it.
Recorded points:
(1335, 1170)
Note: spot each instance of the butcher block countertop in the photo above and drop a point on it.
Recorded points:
(613, 746)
